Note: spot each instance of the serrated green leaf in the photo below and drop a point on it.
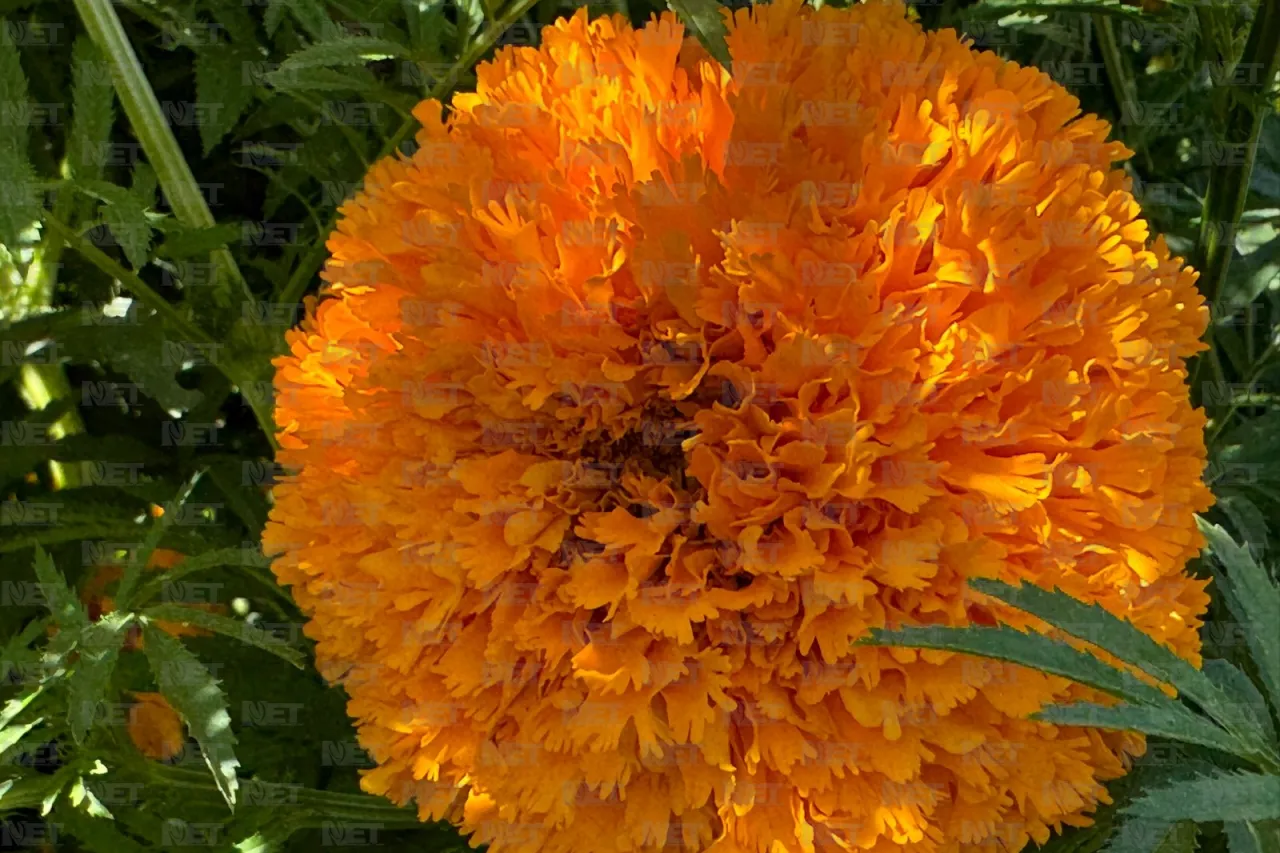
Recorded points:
(1241, 690)
(1096, 625)
(1249, 521)
(92, 113)
(66, 608)
(470, 20)
(194, 693)
(1223, 796)
(221, 89)
(1254, 273)
(311, 15)
(226, 626)
(705, 19)
(1252, 598)
(351, 50)
(1170, 720)
(247, 557)
(99, 648)
(322, 80)
(1244, 837)
(182, 242)
(19, 204)
(1033, 650)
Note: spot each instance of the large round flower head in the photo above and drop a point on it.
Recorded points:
(644, 389)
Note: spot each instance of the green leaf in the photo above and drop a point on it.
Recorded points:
(92, 113)
(96, 834)
(1181, 839)
(92, 805)
(247, 557)
(99, 647)
(183, 242)
(12, 735)
(1244, 837)
(323, 80)
(67, 610)
(222, 92)
(1242, 691)
(1096, 625)
(228, 627)
(1170, 720)
(1253, 274)
(351, 50)
(19, 204)
(144, 350)
(16, 706)
(194, 693)
(1033, 650)
(705, 19)
(1253, 599)
(1223, 796)
(159, 526)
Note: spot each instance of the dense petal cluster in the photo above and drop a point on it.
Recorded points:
(643, 389)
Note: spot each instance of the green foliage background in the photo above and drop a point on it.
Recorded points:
(160, 221)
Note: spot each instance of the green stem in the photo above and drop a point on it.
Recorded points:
(143, 110)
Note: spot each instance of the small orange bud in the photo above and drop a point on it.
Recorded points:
(155, 728)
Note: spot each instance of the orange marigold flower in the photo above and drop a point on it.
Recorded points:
(155, 727)
(642, 390)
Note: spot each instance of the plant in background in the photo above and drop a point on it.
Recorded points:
(646, 387)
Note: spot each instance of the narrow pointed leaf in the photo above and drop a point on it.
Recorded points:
(87, 686)
(351, 50)
(194, 694)
(92, 113)
(704, 19)
(1223, 796)
(228, 627)
(1171, 721)
(1243, 692)
(1252, 598)
(10, 737)
(159, 526)
(1096, 625)
(67, 610)
(1033, 650)
(19, 205)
